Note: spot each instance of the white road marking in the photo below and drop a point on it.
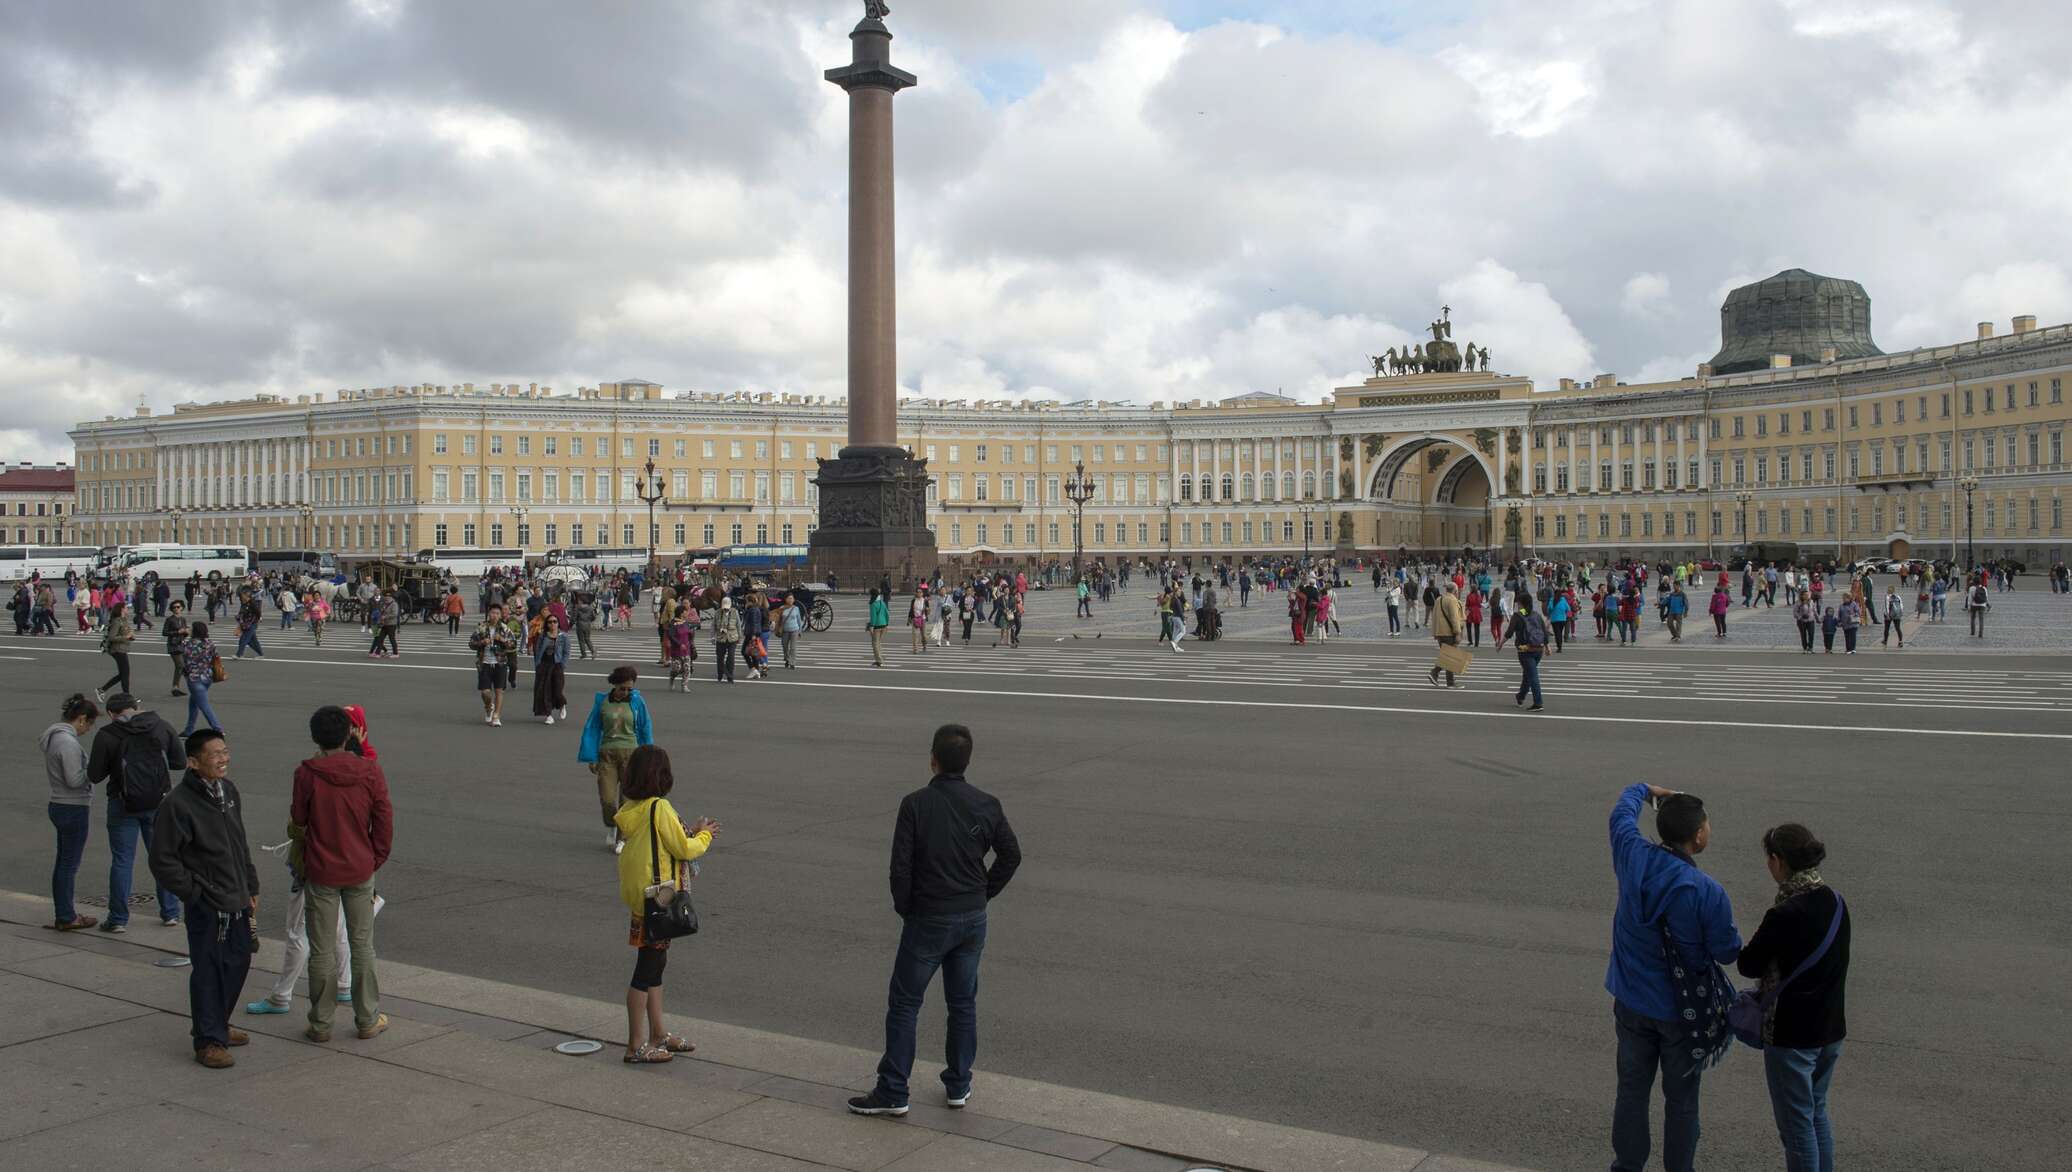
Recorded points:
(969, 693)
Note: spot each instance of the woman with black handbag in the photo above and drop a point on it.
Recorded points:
(1801, 953)
(655, 871)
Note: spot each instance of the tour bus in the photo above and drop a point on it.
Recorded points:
(606, 560)
(762, 557)
(470, 561)
(20, 562)
(314, 563)
(178, 562)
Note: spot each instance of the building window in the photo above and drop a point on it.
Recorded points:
(467, 535)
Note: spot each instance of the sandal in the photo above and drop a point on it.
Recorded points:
(76, 924)
(676, 1045)
(647, 1054)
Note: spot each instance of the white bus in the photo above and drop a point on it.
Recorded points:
(178, 562)
(470, 562)
(311, 562)
(21, 562)
(606, 560)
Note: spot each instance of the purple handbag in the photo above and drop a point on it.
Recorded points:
(1745, 1016)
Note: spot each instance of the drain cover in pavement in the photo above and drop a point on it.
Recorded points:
(579, 1046)
(172, 962)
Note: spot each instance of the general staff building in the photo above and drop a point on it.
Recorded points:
(1800, 431)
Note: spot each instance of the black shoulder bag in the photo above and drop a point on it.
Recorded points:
(665, 921)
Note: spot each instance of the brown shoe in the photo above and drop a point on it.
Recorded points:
(239, 1037)
(75, 924)
(214, 1057)
(380, 1025)
(316, 1035)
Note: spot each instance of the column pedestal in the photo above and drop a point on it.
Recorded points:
(874, 518)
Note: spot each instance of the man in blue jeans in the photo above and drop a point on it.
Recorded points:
(1661, 889)
(940, 888)
(136, 754)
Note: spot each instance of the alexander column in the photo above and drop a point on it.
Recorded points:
(874, 494)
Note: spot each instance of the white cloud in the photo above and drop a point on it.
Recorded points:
(283, 197)
(1524, 327)
(1646, 295)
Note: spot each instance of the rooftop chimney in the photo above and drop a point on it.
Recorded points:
(1985, 330)
(2024, 322)
(1827, 354)
(1780, 361)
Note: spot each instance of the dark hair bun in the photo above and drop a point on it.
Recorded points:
(1796, 846)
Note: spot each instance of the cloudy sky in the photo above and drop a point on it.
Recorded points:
(1124, 199)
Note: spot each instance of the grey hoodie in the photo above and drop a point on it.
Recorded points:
(64, 760)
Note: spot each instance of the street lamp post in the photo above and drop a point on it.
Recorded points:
(519, 512)
(1306, 510)
(1744, 496)
(1079, 489)
(308, 529)
(176, 512)
(650, 492)
(1970, 485)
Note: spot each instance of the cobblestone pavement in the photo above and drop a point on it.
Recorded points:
(2028, 619)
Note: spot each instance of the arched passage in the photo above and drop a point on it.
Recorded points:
(1389, 464)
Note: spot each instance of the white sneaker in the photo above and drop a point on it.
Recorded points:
(497, 721)
(488, 719)
(550, 718)
(562, 712)
(611, 841)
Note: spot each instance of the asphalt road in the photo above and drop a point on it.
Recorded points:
(1297, 885)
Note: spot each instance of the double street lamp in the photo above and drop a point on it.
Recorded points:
(1306, 510)
(518, 512)
(176, 512)
(1079, 489)
(308, 528)
(1745, 496)
(1970, 485)
(650, 491)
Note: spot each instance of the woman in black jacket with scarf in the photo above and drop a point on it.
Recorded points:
(1805, 1025)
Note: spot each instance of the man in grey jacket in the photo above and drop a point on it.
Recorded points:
(71, 804)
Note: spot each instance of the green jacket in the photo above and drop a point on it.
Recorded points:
(881, 615)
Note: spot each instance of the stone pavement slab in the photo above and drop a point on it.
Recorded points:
(557, 1139)
(93, 1079)
(595, 1083)
(793, 1129)
(38, 1008)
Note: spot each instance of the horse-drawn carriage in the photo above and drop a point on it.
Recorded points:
(820, 613)
(420, 591)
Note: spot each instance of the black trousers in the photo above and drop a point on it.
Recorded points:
(121, 676)
(216, 975)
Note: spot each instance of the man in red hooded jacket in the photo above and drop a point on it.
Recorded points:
(341, 815)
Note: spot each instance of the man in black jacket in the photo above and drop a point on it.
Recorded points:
(200, 852)
(940, 887)
(133, 742)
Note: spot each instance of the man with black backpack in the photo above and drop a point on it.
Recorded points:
(136, 753)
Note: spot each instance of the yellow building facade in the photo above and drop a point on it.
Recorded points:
(1846, 458)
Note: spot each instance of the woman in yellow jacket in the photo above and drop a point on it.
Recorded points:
(647, 786)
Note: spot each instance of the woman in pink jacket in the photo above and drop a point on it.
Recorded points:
(1722, 602)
